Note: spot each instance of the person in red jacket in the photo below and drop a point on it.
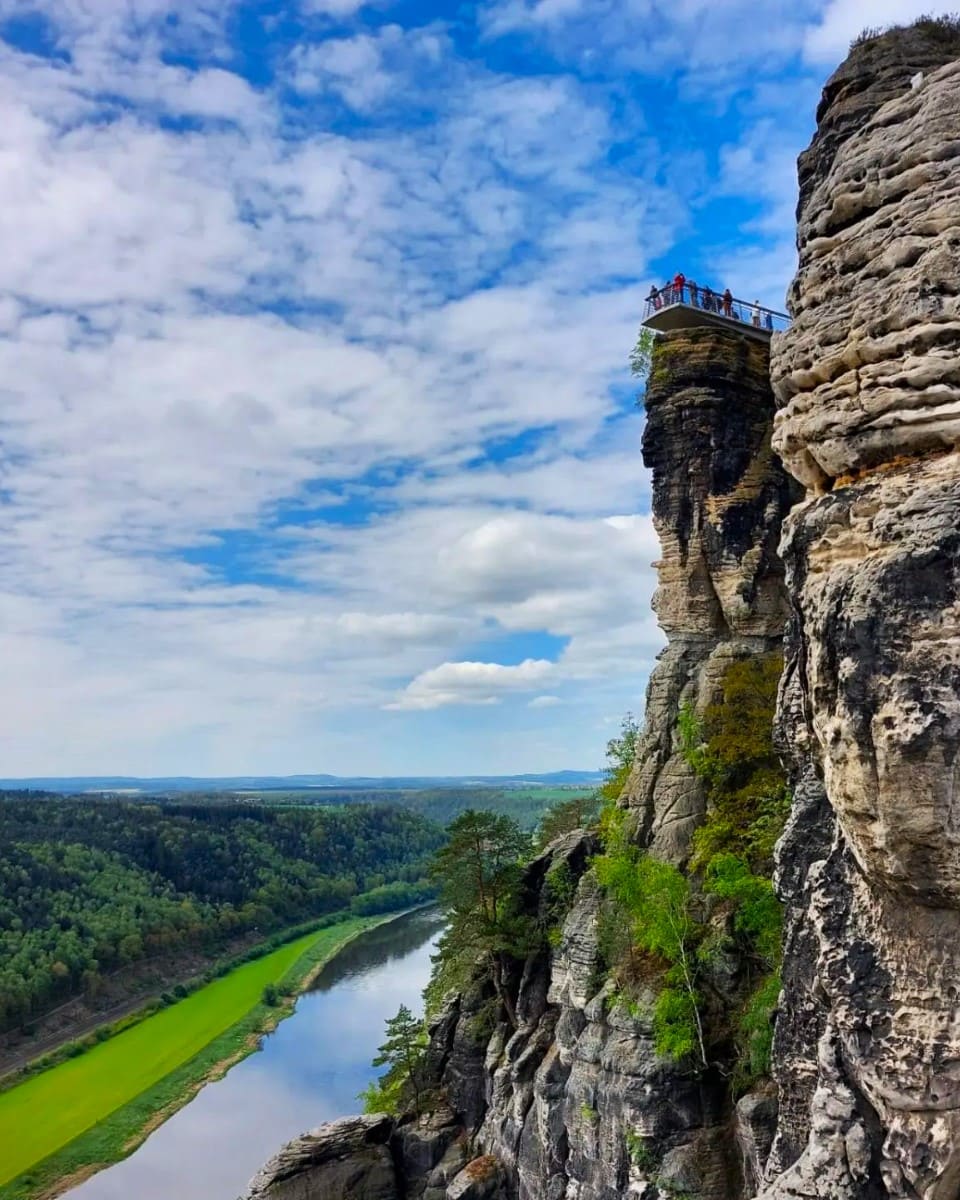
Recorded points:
(678, 281)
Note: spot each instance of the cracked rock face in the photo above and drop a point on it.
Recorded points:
(580, 1083)
(867, 1050)
(719, 496)
(869, 370)
(576, 1104)
(343, 1160)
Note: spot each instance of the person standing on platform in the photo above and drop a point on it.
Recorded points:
(653, 300)
(756, 313)
(728, 303)
(678, 281)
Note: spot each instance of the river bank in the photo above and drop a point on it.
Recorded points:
(135, 989)
(62, 1126)
(310, 1070)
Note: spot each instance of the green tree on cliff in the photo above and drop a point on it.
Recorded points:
(621, 755)
(478, 873)
(732, 750)
(579, 812)
(641, 354)
(653, 899)
(403, 1054)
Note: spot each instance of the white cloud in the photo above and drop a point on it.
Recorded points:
(698, 38)
(843, 20)
(471, 683)
(143, 413)
(305, 419)
(334, 8)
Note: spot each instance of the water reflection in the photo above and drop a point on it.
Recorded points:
(310, 1070)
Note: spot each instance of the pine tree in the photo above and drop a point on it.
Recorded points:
(403, 1054)
(478, 873)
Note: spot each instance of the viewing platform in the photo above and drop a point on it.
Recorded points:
(676, 306)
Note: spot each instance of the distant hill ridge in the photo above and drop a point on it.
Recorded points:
(188, 783)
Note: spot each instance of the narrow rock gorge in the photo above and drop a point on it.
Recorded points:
(576, 1103)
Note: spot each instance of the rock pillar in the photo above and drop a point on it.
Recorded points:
(719, 497)
(867, 1052)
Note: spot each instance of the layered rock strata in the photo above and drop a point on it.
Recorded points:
(719, 497)
(867, 1050)
(576, 1104)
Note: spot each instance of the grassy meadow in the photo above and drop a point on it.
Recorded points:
(89, 1111)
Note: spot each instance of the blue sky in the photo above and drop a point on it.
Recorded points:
(320, 449)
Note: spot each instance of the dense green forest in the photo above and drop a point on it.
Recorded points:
(88, 886)
(525, 804)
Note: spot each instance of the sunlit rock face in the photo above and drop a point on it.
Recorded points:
(580, 1082)
(867, 1051)
(869, 370)
(719, 497)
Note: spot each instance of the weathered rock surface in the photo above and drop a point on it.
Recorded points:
(867, 1050)
(719, 497)
(578, 1104)
(571, 1091)
(756, 1125)
(344, 1160)
(375, 1158)
(575, 1104)
(869, 370)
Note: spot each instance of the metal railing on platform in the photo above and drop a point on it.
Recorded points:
(717, 303)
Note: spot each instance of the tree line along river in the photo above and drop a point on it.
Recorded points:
(309, 1070)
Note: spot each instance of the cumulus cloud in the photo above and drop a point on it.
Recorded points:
(366, 70)
(318, 408)
(471, 683)
(696, 38)
(334, 8)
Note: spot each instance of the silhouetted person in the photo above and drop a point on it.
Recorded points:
(728, 303)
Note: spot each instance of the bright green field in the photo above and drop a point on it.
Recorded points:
(44, 1113)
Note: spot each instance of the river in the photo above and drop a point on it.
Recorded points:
(309, 1070)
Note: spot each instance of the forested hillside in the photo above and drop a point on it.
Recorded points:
(87, 886)
(525, 804)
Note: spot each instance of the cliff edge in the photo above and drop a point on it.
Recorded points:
(868, 387)
(576, 1101)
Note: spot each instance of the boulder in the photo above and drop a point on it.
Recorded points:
(348, 1159)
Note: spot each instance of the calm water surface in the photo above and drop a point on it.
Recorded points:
(309, 1070)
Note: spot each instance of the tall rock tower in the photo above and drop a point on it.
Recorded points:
(719, 498)
(576, 1101)
(867, 1052)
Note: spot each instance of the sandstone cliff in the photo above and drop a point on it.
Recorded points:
(868, 382)
(719, 498)
(576, 1102)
